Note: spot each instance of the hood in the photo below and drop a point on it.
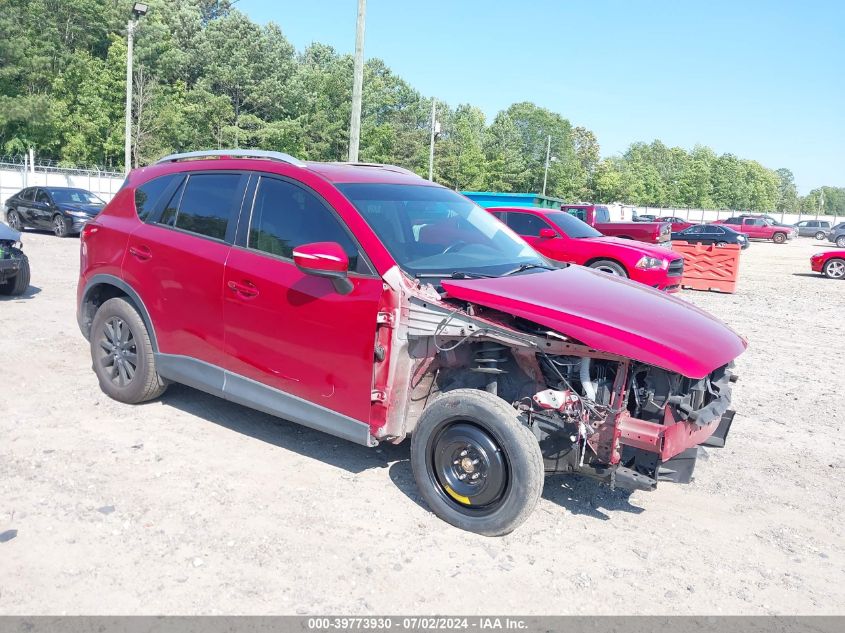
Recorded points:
(7, 233)
(637, 247)
(611, 314)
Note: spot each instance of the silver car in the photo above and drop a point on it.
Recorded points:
(813, 228)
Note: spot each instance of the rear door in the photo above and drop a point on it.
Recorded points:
(24, 206)
(289, 330)
(175, 262)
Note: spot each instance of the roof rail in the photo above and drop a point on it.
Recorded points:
(232, 153)
(393, 168)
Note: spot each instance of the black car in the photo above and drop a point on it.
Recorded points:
(644, 218)
(64, 210)
(718, 234)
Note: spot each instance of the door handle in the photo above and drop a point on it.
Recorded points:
(141, 252)
(246, 289)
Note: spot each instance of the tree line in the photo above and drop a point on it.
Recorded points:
(206, 76)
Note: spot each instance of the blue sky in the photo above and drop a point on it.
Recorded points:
(762, 80)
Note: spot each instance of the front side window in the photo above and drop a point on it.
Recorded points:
(286, 216)
(696, 230)
(433, 230)
(204, 204)
(526, 223)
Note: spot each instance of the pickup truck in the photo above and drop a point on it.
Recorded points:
(760, 228)
(598, 217)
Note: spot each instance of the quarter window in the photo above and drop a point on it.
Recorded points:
(286, 216)
(148, 194)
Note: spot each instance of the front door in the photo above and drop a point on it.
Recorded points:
(292, 331)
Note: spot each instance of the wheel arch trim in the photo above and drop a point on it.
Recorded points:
(110, 280)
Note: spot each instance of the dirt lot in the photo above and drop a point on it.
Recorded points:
(194, 505)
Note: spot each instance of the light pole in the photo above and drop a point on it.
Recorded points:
(139, 9)
(549, 159)
(357, 84)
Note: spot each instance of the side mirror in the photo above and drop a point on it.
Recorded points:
(547, 234)
(325, 259)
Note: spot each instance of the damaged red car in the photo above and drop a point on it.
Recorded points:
(368, 303)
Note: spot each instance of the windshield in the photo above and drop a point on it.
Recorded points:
(572, 226)
(74, 196)
(432, 230)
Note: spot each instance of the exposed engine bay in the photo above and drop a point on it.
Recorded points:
(593, 413)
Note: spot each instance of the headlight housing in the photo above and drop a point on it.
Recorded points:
(652, 263)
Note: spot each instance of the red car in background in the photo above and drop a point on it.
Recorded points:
(678, 224)
(564, 238)
(598, 217)
(829, 263)
(760, 228)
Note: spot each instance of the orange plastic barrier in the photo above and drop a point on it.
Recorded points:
(709, 267)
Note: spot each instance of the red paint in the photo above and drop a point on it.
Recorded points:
(612, 315)
(327, 257)
(554, 243)
(818, 260)
(651, 232)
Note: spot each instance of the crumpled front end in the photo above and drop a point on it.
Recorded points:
(625, 421)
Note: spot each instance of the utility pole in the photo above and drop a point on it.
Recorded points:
(127, 143)
(548, 157)
(357, 85)
(433, 135)
(139, 9)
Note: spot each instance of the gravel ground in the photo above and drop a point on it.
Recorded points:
(193, 505)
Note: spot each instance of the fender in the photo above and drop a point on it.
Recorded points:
(84, 320)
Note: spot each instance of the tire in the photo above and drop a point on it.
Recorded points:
(610, 267)
(13, 219)
(113, 354)
(820, 235)
(60, 226)
(834, 268)
(18, 284)
(840, 241)
(779, 238)
(478, 435)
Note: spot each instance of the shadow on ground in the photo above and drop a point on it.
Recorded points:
(282, 433)
(578, 495)
(29, 293)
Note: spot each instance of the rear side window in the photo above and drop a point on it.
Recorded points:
(204, 204)
(526, 224)
(26, 194)
(42, 196)
(286, 216)
(148, 194)
(602, 214)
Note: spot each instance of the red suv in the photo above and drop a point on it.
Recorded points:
(371, 304)
(564, 238)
